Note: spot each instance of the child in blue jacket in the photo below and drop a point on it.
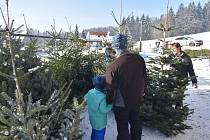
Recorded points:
(98, 108)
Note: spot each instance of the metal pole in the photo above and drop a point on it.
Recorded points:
(140, 44)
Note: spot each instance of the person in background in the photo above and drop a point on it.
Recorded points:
(109, 55)
(185, 66)
(98, 108)
(125, 79)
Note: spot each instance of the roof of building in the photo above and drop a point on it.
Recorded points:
(99, 33)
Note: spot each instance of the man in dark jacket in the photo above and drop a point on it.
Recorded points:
(184, 65)
(125, 78)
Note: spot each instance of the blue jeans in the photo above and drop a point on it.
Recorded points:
(98, 134)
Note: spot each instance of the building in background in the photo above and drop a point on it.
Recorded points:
(97, 41)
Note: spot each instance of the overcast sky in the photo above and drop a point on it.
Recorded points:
(86, 13)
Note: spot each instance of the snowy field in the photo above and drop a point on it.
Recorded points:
(198, 99)
(149, 46)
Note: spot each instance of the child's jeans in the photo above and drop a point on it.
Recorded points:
(98, 134)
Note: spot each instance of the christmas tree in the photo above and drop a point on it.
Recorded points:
(163, 107)
(21, 75)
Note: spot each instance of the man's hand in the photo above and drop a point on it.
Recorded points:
(195, 85)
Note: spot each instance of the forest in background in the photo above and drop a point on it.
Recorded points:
(186, 20)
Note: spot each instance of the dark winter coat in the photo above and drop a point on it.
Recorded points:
(125, 79)
(184, 66)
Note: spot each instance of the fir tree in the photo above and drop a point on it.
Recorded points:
(165, 90)
(128, 34)
(76, 32)
(146, 32)
(163, 107)
(206, 11)
(20, 116)
(171, 22)
(200, 19)
(83, 34)
(132, 19)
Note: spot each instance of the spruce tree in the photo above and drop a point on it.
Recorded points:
(25, 61)
(180, 19)
(163, 107)
(146, 32)
(171, 22)
(206, 11)
(21, 117)
(83, 34)
(76, 31)
(164, 92)
(200, 19)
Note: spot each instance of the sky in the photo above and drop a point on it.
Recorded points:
(41, 14)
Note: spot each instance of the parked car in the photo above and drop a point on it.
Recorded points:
(188, 41)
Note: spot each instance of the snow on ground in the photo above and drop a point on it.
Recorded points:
(149, 45)
(198, 99)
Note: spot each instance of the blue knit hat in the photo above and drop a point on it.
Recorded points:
(99, 82)
(120, 41)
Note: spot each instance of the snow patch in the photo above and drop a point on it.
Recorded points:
(198, 99)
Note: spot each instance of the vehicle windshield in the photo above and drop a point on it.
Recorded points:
(184, 38)
(189, 38)
(180, 38)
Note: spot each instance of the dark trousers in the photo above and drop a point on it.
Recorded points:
(123, 117)
(98, 134)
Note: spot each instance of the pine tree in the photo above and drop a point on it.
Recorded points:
(142, 27)
(181, 21)
(206, 11)
(200, 19)
(146, 32)
(191, 19)
(165, 90)
(171, 22)
(70, 64)
(163, 107)
(83, 34)
(25, 60)
(137, 19)
(128, 19)
(129, 36)
(21, 117)
(132, 19)
(76, 32)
